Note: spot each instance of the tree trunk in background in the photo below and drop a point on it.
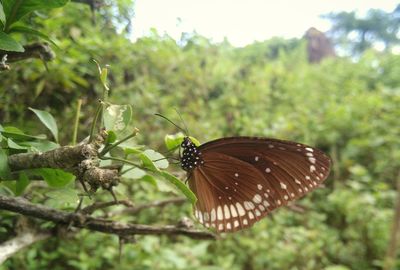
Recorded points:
(318, 46)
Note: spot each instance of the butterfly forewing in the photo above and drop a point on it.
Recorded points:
(253, 174)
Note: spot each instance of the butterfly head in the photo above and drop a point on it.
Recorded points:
(191, 156)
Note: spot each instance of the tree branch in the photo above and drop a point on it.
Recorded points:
(36, 50)
(24, 207)
(27, 238)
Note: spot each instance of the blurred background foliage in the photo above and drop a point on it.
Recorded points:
(347, 106)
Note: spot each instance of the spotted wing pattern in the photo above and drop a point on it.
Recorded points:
(242, 179)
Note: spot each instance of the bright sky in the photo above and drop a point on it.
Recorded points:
(242, 21)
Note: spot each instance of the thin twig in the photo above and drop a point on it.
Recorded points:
(101, 205)
(76, 124)
(108, 148)
(96, 117)
(24, 207)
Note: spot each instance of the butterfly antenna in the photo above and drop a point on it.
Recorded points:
(184, 131)
(183, 122)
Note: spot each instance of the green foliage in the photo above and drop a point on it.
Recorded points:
(12, 12)
(358, 34)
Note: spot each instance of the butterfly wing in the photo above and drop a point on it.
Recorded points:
(228, 200)
(269, 173)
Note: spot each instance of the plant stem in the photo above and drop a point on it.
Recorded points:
(76, 124)
(124, 161)
(108, 148)
(96, 117)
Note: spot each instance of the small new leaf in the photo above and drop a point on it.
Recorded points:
(48, 120)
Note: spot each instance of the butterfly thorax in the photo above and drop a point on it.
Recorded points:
(191, 156)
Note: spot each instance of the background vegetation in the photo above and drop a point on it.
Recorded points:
(346, 106)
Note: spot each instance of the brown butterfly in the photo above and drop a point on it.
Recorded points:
(239, 180)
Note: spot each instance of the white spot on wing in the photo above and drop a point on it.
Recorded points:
(236, 223)
(226, 212)
(220, 215)
(259, 187)
(309, 149)
(312, 168)
(251, 216)
(233, 211)
(245, 222)
(201, 217)
(240, 209)
(213, 215)
(258, 213)
(220, 227)
(228, 226)
(257, 198)
(283, 186)
(266, 203)
(312, 160)
(256, 158)
(267, 170)
(248, 205)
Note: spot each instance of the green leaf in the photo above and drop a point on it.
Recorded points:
(103, 77)
(180, 185)
(42, 145)
(30, 31)
(63, 198)
(2, 15)
(17, 134)
(195, 141)
(133, 151)
(7, 43)
(14, 145)
(111, 137)
(48, 120)
(148, 163)
(173, 141)
(4, 169)
(55, 177)
(22, 183)
(135, 173)
(159, 160)
(117, 117)
(7, 188)
(149, 179)
(15, 10)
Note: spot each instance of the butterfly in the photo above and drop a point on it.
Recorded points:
(240, 180)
